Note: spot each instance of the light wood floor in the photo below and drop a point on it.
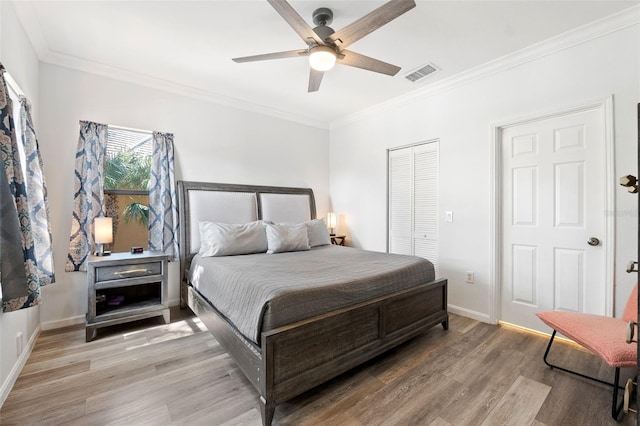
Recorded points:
(175, 374)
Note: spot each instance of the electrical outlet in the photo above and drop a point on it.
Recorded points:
(469, 277)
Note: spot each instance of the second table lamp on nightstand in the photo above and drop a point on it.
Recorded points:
(332, 221)
(103, 231)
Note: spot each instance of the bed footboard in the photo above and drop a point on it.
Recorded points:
(301, 356)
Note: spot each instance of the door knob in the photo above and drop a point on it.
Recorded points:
(593, 241)
(630, 182)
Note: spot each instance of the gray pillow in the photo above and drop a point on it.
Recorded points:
(318, 233)
(282, 238)
(226, 239)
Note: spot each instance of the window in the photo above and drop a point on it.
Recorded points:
(127, 174)
(88, 183)
(14, 95)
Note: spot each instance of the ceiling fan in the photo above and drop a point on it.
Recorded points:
(326, 46)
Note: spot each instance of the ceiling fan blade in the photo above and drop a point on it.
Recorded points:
(296, 22)
(370, 22)
(315, 78)
(276, 55)
(357, 60)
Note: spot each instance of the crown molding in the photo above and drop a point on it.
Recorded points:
(610, 24)
(31, 25)
(120, 74)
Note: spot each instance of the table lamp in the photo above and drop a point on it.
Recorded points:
(103, 231)
(332, 221)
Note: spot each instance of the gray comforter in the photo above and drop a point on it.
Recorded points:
(260, 292)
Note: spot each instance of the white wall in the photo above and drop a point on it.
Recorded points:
(212, 143)
(461, 118)
(20, 60)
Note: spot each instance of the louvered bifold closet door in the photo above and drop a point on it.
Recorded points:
(400, 201)
(425, 202)
(413, 201)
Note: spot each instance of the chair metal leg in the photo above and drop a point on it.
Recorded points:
(615, 407)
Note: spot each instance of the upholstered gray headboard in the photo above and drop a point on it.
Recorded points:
(230, 203)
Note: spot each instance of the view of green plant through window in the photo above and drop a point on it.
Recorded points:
(126, 186)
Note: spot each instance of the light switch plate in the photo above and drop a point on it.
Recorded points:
(449, 217)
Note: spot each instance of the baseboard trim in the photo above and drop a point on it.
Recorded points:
(17, 367)
(464, 312)
(67, 322)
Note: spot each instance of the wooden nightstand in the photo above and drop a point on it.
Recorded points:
(125, 287)
(337, 239)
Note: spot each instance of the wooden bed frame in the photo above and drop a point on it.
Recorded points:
(297, 357)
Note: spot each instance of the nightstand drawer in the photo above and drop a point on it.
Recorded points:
(118, 272)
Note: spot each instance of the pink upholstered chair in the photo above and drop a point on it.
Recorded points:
(604, 336)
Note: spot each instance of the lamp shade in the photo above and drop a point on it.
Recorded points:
(322, 58)
(103, 230)
(332, 220)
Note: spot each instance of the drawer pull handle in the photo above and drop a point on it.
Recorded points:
(132, 271)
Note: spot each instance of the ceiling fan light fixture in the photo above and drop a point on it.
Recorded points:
(322, 58)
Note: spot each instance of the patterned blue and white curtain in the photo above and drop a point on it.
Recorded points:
(37, 198)
(88, 192)
(25, 256)
(163, 206)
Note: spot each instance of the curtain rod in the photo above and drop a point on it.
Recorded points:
(131, 129)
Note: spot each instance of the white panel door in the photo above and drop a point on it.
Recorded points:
(553, 174)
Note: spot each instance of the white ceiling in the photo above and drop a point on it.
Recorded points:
(188, 45)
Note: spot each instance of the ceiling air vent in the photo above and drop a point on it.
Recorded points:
(421, 72)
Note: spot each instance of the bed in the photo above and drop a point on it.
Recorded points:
(286, 356)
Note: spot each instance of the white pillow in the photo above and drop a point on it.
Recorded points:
(281, 238)
(318, 233)
(226, 239)
(317, 230)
